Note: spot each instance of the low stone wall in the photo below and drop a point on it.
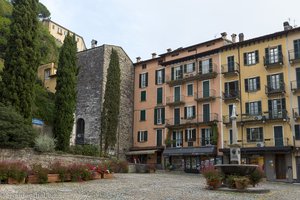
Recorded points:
(29, 156)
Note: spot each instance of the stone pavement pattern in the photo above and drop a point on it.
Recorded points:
(159, 186)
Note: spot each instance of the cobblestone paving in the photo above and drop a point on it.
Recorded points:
(164, 186)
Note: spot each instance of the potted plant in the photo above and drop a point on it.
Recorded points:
(79, 172)
(3, 172)
(151, 168)
(213, 177)
(230, 181)
(58, 173)
(241, 182)
(38, 174)
(256, 176)
(17, 172)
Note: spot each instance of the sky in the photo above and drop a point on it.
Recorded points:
(143, 27)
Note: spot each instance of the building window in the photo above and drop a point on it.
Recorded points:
(255, 134)
(206, 136)
(47, 74)
(277, 108)
(144, 66)
(53, 26)
(177, 139)
(251, 58)
(143, 96)
(231, 89)
(59, 31)
(252, 84)
(205, 66)
(253, 108)
(143, 80)
(275, 82)
(189, 68)
(160, 76)
(273, 55)
(230, 63)
(190, 135)
(190, 89)
(189, 112)
(177, 73)
(79, 131)
(159, 96)
(297, 132)
(230, 136)
(142, 136)
(143, 115)
(159, 116)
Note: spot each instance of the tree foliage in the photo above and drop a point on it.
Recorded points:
(111, 105)
(14, 132)
(5, 8)
(18, 76)
(43, 11)
(65, 98)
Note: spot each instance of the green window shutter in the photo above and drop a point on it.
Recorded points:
(258, 83)
(256, 56)
(226, 88)
(159, 96)
(297, 132)
(194, 134)
(246, 85)
(194, 67)
(163, 115)
(146, 136)
(247, 108)
(268, 80)
(155, 116)
(267, 56)
(147, 79)
(283, 104)
(184, 69)
(261, 131)
(270, 105)
(156, 72)
(142, 115)
(190, 90)
(163, 75)
(140, 81)
(259, 107)
(279, 53)
(172, 73)
(143, 95)
(181, 70)
(210, 65)
(138, 136)
(248, 134)
(194, 111)
(185, 112)
(200, 67)
(245, 59)
(186, 136)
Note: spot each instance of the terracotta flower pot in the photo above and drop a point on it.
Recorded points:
(96, 175)
(108, 176)
(53, 178)
(32, 179)
(213, 184)
(14, 181)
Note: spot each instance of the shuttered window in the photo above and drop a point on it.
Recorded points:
(143, 96)
(297, 132)
(143, 115)
(142, 136)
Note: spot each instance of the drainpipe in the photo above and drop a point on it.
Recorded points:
(240, 85)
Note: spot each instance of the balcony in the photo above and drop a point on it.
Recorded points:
(267, 142)
(295, 86)
(208, 118)
(193, 142)
(273, 61)
(231, 95)
(227, 119)
(277, 90)
(294, 56)
(296, 113)
(175, 100)
(229, 70)
(279, 114)
(183, 78)
(203, 96)
(181, 122)
(210, 74)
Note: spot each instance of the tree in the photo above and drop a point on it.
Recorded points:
(21, 60)
(43, 11)
(65, 98)
(111, 105)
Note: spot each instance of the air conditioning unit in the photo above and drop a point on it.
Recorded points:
(186, 75)
(191, 75)
(259, 117)
(296, 114)
(260, 144)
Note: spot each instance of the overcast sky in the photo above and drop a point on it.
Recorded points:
(142, 27)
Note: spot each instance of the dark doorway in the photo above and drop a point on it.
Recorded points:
(298, 168)
(79, 132)
(278, 136)
(280, 166)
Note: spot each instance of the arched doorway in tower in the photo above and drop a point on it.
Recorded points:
(79, 132)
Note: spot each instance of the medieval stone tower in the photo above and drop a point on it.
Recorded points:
(93, 64)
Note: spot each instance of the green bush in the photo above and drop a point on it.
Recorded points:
(79, 172)
(41, 172)
(15, 132)
(44, 143)
(256, 176)
(230, 181)
(17, 170)
(86, 150)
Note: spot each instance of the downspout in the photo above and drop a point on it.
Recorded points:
(241, 104)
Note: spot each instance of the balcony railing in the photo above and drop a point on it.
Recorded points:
(175, 100)
(267, 142)
(273, 61)
(208, 74)
(231, 95)
(232, 69)
(200, 119)
(295, 86)
(296, 113)
(208, 118)
(294, 56)
(270, 90)
(277, 114)
(202, 96)
(192, 142)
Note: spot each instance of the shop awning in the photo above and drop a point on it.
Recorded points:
(261, 150)
(143, 152)
(190, 151)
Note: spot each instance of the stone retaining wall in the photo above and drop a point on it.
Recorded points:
(29, 156)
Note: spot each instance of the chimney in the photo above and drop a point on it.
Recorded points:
(233, 37)
(224, 34)
(138, 59)
(154, 55)
(287, 26)
(169, 50)
(94, 43)
(241, 37)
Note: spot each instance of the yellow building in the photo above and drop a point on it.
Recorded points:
(47, 74)
(256, 78)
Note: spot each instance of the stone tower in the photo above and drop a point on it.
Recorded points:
(93, 64)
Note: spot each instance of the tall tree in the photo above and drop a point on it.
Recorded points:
(111, 105)
(65, 98)
(21, 59)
